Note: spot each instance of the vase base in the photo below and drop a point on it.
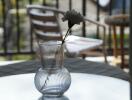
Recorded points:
(52, 92)
(51, 95)
(54, 98)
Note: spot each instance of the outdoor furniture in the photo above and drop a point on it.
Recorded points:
(45, 23)
(83, 87)
(121, 21)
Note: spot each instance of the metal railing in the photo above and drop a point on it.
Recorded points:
(16, 37)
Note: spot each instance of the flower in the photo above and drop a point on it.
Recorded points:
(73, 17)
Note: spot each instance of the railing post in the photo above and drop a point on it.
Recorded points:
(70, 4)
(44, 2)
(109, 34)
(57, 3)
(97, 18)
(4, 20)
(30, 1)
(124, 6)
(31, 30)
(130, 50)
(84, 14)
(18, 25)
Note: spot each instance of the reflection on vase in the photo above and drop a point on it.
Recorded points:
(53, 98)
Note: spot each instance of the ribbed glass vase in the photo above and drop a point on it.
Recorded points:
(52, 79)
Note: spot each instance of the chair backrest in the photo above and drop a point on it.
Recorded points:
(45, 24)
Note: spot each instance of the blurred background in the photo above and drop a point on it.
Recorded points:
(17, 41)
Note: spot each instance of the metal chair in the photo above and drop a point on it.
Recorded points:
(45, 23)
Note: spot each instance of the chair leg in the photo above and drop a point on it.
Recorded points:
(104, 46)
(115, 42)
(105, 53)
(122, 46)
(83, 56)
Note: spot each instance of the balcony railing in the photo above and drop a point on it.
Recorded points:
(16, 37)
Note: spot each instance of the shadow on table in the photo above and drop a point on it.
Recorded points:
(53, 98)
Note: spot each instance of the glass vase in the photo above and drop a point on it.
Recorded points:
(52, 79)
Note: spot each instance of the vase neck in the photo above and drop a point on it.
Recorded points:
(52, 63)
(51, 54)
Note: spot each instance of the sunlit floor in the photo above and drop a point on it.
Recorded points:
(100, 59)
(2, 63)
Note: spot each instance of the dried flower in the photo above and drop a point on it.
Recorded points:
(73, 17)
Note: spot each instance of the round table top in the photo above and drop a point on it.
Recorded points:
(83, 87)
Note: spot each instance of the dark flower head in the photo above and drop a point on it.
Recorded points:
(73, 17)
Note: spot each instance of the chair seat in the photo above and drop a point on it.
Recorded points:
(118, 20)
(76, 44)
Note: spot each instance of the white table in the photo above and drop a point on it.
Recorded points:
(83, 87)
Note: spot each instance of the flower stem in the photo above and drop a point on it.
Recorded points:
(58, 50)
(67, 33)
